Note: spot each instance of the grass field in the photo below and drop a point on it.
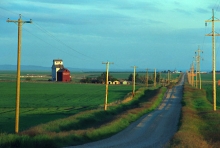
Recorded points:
(207, 85)
(58, 107)
(87, 126)
(76, 76)
(43, 102)
(199, 124)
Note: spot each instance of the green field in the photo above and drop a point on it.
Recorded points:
(42, 101)
(207, 85)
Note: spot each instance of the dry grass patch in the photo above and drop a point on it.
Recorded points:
(199, 125)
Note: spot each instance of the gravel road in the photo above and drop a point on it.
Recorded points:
(152, 130)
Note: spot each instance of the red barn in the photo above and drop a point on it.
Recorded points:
(63, 75)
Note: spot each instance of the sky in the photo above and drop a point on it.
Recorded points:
(161, 34)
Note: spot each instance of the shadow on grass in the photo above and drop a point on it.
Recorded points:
(86, 126)
(96, 119)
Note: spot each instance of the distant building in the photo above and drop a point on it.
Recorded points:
(57, 65)
(63, 75)
(58, 69)
(124, 82)
(115, 82)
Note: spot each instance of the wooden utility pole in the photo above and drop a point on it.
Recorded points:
(213, 34)
(147, 78)
(133, 81)
(106, 85)
(192, 74)
(189, 75)
(198, 59)
(155, 78)
(20, 23)
(160, 78)
(168, 77)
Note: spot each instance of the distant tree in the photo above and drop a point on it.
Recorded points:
(130, 77)
(86, 80)
(158, 77)
(137, 78)
(142, 79)
(99, 79)
(28, 78)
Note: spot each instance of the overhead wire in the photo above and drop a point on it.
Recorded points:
(217, 50)
(48, 33)
(58, 40)
(52, 36)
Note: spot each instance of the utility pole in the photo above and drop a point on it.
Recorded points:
(20, 22)
(155, 78)
(198, 58)
(188, 75)
(168, 77)
(196, 61)
(192, 74)
(160, 78)
(106, 85)
(147, 78)
(213, 34)
(133, 90)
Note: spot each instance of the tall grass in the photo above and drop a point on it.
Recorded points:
(199, 125)
(86, 126)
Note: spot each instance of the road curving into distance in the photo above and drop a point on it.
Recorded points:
(151, 130)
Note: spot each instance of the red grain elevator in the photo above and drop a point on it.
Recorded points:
(63, 75)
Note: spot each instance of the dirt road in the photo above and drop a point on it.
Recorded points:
(152, 130)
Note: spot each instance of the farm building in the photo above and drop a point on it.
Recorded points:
(57, 65)
(109, 82)
(124, 82)
(59, 73)
(63, 75)
(115, 82)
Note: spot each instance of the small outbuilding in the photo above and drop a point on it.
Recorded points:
(63, 75)
(109, 82)
(115, 82)
(125, 82)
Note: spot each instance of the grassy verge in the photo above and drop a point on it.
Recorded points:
(199, 125)
(86, 126)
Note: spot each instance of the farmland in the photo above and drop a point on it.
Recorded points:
(42, 101)
(207, 85)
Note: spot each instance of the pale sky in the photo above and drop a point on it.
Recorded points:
(161, 34)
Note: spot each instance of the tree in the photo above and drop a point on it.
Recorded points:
(28, 78)
(99, 79)
(158, 77)
(130, 77)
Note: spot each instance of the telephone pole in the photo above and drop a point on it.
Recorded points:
(147, 78)
(189, 76)
(106, 85)
(20, 22)
(196, 61)
(198, 58)
(213, 34)
(155, 78)
(192, 74)
(133, 90)
(168, 77)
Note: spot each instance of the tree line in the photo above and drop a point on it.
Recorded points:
(138, 78)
